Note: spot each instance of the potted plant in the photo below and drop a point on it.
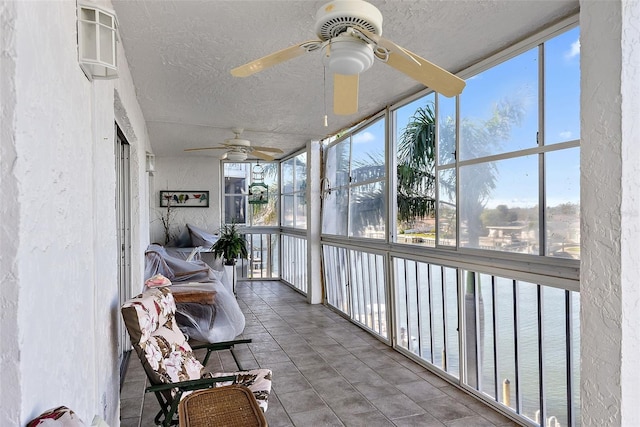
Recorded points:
(230, 245)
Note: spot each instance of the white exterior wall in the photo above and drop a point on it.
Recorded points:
(610, 186)
(58, 253)
(188, 174)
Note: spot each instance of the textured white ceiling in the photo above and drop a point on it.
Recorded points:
(180, 54)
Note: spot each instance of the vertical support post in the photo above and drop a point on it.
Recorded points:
(314, 223)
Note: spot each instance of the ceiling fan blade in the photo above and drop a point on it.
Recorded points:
(275, 58)
(206, 148)
(427, 73)
(262, 155)
(418, 68)
(268, 149)
(345, 94)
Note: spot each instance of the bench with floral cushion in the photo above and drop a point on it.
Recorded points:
(168, 359)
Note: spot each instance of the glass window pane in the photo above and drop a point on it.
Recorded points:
(234, 209)
(367, 211)
(334, 212)
(562, 87)
(89, 48)
(105, 19)
(499, 108)
(88, 14)
(300, 163)
(235, 184)
(107, 43)
(287, 210)
(337, 163)
(446, 130)
(499, 205)
(287, 176)
(367, 153)
(447, 225)
(265, 214)
(300, 205)
(415, 170)
(563, 203)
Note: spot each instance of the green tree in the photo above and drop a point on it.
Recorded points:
(416, 167)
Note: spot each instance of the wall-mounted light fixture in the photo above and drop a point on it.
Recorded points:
(151, 163)
(97, 37)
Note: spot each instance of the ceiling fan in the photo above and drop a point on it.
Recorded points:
(349, 33)
(239, 149)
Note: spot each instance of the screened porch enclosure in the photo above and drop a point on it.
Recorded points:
(450, 229)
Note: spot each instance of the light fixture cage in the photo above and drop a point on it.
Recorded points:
(97, 41)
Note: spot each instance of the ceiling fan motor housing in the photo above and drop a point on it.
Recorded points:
(335, 17)
(346, 54)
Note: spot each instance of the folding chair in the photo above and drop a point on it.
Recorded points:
(168, 359)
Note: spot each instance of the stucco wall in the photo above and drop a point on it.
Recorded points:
(10, 387)
(630, 212)
(191, 174)
(58, 231)
(610, 170)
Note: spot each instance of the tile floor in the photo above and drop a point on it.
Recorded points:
(326, 372)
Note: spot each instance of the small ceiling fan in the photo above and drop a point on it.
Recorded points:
(349, 33)
(239, 149)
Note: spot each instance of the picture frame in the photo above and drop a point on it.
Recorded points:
(184, 199)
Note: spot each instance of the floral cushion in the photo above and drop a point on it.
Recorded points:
(257, 380)
(58, 417)
(162, 347)
(164, 351)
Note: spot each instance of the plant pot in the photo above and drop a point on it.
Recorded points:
(230, 272)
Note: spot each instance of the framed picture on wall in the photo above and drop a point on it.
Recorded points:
(184, 199)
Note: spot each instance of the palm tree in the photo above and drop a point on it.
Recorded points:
(416, 167)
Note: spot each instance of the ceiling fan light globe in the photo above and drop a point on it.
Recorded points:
(234, 156)
(348, 56)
